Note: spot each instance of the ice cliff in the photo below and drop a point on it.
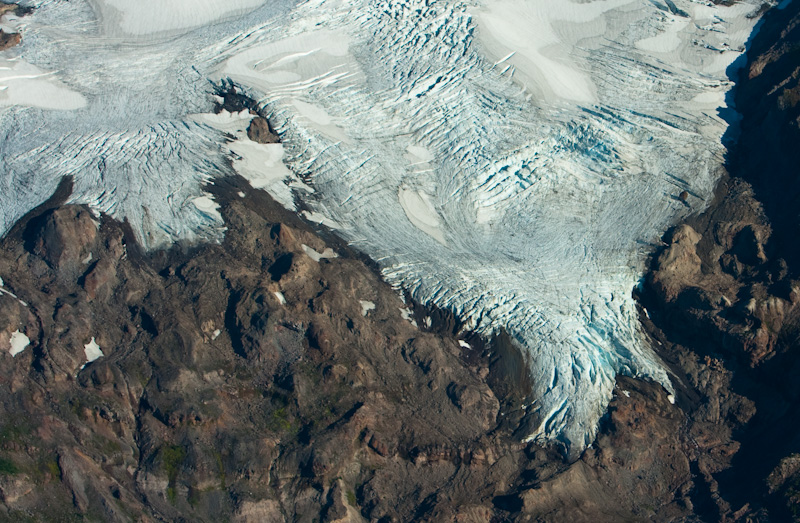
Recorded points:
(510, 160)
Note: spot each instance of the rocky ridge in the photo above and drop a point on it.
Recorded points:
(272, 378)
(723, 294)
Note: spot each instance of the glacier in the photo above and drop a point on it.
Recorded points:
(513, 161)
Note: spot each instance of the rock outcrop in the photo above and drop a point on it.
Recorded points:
(9, 40)
(260, 131)
(723, 298)
(247, 381)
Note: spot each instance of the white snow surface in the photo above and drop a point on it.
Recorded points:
(92, 351)
(328, 253)
(510, 160)
(366, 306)
(19, 342)
(144, 17)
(407, 315)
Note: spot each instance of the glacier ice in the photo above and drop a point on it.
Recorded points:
(510, 160)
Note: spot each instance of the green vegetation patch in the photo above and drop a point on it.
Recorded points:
(172, 457)
(7, 467)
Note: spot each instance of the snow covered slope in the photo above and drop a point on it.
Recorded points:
(511, 160)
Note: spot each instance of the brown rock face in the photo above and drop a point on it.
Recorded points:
(636, 470)
(723, 293)
(66, 238)
(9, 40)
(721, 282)
(260, 131)
(239, 381)
(243, 381)
(678, 266)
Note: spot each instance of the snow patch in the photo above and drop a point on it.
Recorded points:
(366, 306)
(215, 334)
(420, 211)
(24, 84)
(667, 41)
(260, 164)
(320, 219)
(208, 207)
(92, 351)
(328, 253)
(542, 56)
(418, 154)
(19, 342)
(280, 296)
(407, 315)
(145, 17)
(464, 345)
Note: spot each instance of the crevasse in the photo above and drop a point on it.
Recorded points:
(510, 160)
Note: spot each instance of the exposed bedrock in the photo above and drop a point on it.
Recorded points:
(767, 155)
(245, 381)
(8, 40)
(11, 38)
(274, 377)
(725, 290)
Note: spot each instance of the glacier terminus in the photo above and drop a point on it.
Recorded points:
(512, 161)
